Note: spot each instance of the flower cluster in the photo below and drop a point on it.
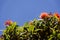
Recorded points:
(44, 14)
(8, 22)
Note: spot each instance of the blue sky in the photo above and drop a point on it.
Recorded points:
(22, 11)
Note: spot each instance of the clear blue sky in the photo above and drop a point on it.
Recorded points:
(25, 10)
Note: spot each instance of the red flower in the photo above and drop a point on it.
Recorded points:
(43, 15)
(8, 22)
(57, 15)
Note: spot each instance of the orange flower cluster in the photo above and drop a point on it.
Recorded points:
(8, 22)
(57, 15)
(44, 14)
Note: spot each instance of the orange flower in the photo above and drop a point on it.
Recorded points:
(8, 22)
(57, 15)
(43, 15)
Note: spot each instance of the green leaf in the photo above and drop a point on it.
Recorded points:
(38, 29)
(58, 35)
(54, 32)
(20, 29)
(26, 24)
(50, 38)
(31, 28)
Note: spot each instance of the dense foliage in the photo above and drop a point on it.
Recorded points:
(47, 28)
